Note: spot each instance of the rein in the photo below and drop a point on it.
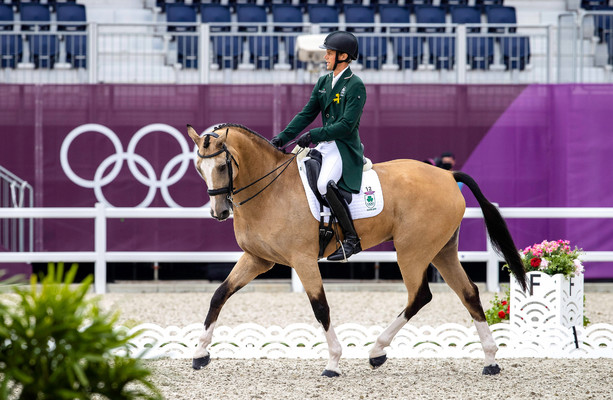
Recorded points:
(229, 189)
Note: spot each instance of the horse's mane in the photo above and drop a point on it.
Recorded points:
(244, 129)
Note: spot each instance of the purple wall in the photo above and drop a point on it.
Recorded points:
(526, 146)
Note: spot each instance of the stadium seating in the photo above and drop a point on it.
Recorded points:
(501, 15)
(323, 14)
(380, 4)
(593, 4)
(408, 50)
(484, 4)
(447, 5)
(372, 49)
(603, 23)
(76, 45)
(11, 46)
(515, 52)
(480, 50)
(430, 15)
(293, 16)
(44, 48)
(263, 50)
(226, 48)
(442, 51)
(187, 45)
(412, 5)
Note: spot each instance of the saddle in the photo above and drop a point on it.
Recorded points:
(312, 165)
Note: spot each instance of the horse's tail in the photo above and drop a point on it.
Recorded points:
(497, 229)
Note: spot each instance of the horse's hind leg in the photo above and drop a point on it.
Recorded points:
(416, 281)
(448, 264)
(245, 270)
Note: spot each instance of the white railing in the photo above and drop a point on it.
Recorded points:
(100, 256)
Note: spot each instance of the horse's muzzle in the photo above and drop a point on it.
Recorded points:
(222, 216)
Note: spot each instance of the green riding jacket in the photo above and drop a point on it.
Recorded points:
(341, 108)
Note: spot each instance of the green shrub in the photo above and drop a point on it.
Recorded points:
(56, 343)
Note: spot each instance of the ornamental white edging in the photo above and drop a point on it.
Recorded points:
(306, 341)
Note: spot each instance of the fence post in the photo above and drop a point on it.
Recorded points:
(204, 56)
(100, 249)
(460, 51)
(492, 278)
(92, 52)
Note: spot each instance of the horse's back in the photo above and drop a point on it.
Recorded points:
(421, 194)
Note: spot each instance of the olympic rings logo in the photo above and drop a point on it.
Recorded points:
(116, 160)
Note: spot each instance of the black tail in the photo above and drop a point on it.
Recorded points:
(497, 229)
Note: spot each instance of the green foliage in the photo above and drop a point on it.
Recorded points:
(500, 310)
(56, 343)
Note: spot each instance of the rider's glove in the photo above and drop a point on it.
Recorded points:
(276, 141)
(304, 140)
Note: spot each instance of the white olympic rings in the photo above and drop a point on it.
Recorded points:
(149, 179)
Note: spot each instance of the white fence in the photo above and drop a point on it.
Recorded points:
(100, 256)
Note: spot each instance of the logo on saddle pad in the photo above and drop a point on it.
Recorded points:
(370, 200)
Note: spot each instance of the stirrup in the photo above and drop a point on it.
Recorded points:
(356, 247)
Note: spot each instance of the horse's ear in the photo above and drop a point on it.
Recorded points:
(194, 135)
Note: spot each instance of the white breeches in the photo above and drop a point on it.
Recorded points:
(331, 165)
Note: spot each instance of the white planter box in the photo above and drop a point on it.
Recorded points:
(548, 300)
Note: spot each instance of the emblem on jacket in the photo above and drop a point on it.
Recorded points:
(370, 201)
(337, 99)
(343, 91)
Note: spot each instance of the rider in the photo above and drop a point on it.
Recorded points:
(340, 97)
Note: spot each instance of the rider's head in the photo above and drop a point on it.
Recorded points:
(341, 48)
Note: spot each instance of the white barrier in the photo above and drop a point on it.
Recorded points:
(248, 341)
(100, 256)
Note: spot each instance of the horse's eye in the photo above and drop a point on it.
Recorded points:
(222, 167)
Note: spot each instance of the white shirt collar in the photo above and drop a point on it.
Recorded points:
(337, 77)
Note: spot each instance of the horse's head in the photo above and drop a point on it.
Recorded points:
(214, 162)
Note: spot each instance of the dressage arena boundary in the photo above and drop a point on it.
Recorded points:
(100, 256)
(253, 341)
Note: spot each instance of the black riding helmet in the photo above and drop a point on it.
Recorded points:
(343, 42)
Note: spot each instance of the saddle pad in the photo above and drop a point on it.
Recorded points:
(368, 203)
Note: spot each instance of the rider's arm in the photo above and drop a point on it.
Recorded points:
(304, 117)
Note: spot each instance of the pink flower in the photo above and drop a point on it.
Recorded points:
(544, 263)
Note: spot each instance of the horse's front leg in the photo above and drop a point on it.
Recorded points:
(313, 286)
(245, 270)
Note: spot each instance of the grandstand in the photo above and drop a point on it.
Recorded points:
(147, 41)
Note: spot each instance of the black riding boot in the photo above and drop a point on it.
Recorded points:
(351, 241)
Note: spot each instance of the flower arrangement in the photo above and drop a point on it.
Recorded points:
(500, 310)
(552, 258)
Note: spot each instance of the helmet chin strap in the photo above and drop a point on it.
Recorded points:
(337, 61)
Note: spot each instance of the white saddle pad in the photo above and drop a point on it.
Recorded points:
(368, 203)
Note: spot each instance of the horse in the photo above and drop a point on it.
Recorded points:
(423, 209)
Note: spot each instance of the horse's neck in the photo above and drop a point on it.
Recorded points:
(257, 158)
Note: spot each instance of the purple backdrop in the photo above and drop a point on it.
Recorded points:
(526, 146)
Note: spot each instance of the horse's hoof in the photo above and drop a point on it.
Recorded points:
(377, 361)
(493, 369)
(199, 363)
(330, 374)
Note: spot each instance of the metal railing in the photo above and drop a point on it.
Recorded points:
(100, 256)
(16, 234)
(266, 53)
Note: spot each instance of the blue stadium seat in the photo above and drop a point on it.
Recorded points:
(515, 52)
(306, 4)
(501, 15)
(11, 46)
(484, 4)
(407, 50)
(442, 51)
(76, 45)
(412, 5)
(227, 48)
(44, 48)
(372, 49)
(322, 14)
(447, 5)
(293, 16)
(187, 45)
(603, 24)
(264, 50)
(593, 4)
(430, 15)
(480, 50)
(380, 4)
(342, 4)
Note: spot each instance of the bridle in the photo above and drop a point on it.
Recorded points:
(229, 188)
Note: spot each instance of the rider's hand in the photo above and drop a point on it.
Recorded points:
(304, 140)
(276, 141)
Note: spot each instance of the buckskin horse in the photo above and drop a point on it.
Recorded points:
(423, 209)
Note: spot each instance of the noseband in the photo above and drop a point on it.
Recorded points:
(229, 189)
